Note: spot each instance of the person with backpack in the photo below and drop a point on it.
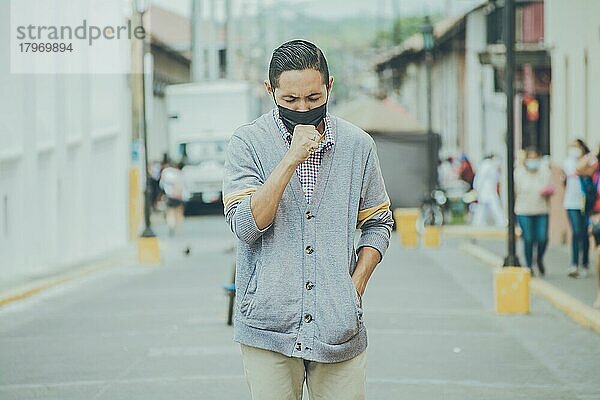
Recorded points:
(595, 223)
(465, 171)
(574, 204)
(587, 170)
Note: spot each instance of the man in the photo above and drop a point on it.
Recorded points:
(298, 182)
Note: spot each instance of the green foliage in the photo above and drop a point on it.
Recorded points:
(351, 43)
(401, 29)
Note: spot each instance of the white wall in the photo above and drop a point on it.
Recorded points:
(64, 158)
(571, 29)
(485, 109)
(446, 100)
(158, 137)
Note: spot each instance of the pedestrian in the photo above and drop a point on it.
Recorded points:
(574, 204)
(533, 188)
(155, 191)
(298, 182)
(448, 173)
(595, 224)
(465, 171)
(485, 184)
(173, 184)
(586, 169)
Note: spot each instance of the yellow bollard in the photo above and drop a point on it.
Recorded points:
(406, 225)
(148, 252)
(432, 236)
(409, 239)
(511, 290)
(135, 209)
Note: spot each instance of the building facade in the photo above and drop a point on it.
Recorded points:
(557, 69)
(64, 159)
(573, 37)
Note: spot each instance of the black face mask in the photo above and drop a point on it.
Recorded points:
(291, 118)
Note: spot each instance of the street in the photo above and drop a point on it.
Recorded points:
(140, 332)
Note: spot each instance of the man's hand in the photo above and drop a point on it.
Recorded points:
(305, 140)
(368, 258)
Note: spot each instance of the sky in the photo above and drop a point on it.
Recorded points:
(344, 8)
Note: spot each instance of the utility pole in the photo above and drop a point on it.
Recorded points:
(198, 62)
(271, 39)
(263, 32)
(396, 24)
(146, 90)
(379, 30)
(147, 244)
(213, 61)
(230, 42)
(509, 44)
(136, 76)
(428, 46)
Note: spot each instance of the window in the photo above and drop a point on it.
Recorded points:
(494, 26)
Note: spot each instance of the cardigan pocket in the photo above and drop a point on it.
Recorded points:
(246, 302)
(341, 314)
(269, 303)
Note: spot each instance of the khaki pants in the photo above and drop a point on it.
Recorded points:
(274, 376)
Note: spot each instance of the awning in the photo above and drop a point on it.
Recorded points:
(379, 116)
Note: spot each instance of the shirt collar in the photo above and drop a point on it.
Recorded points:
(327, 142)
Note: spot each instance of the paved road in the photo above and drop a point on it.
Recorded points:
(134, 332)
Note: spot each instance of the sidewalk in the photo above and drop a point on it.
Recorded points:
(159, 332)
(557, 260)
(24, 286)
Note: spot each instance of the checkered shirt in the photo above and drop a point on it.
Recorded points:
(308, 170)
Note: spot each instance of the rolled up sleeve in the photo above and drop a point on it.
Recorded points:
(374, 216)
(242, 177)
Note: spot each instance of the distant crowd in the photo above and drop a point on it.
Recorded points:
(534, 186)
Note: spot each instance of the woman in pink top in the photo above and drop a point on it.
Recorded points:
(595, 221)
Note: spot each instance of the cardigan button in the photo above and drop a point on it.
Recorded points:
(309, 285)
(309, 249)
(308, 318)
(309, 215)
(299, 346)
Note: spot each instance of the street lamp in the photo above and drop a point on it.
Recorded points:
(511, 283)
(147, 243)
(141, 9)
(428, 44)
(427, 32)
(511, 259)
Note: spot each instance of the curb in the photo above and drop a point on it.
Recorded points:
(465, 231)
(572, 307)
(119, 257)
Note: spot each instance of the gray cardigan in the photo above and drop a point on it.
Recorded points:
(295, 293)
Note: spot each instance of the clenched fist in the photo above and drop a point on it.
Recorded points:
(305, 140)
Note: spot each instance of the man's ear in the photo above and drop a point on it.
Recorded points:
(330, 83)
(268, 87)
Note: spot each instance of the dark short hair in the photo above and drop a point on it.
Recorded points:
(532, 149)
(584, 147)
(297, 55)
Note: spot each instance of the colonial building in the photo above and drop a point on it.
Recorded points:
(557, 66)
